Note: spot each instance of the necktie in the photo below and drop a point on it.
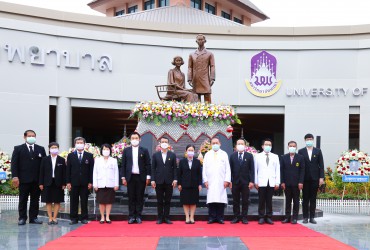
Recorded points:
(32, 153)
(240, 158)
(267, 159)
(80, 157)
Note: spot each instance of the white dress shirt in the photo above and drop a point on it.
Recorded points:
(53, 163)
(164, 156)
(309, 151)
(135, 160)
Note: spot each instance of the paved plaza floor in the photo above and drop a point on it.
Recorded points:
(351, 229)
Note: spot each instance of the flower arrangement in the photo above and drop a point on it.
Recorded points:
(5, 165)
(189, 113)
(203, 149)
(343, 163)
(117, 150)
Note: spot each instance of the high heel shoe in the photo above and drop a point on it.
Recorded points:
(101, 222)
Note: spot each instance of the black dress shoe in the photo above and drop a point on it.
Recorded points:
(101, 222)
(235, 220)
(84, 221)
(245, 221)
(168, 221)
(261, 221)
(187, 222)
(294, 221)
(35, 221)
(159, 221)
(305, 220)
(21, 222)
(131, 221)
(210, 222)
(221, 222)
(286, 220)
(313, 221)
(138, 220)
(269, 221)
(192, 222)
(108, 221)
(73, 222)
(55, 222)
(50, 223)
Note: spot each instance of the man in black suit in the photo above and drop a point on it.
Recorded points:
(164, 179)
(26, 160)
(80, 167)
(135, 172)
(242, 180)
(292, 169)
(313, 178)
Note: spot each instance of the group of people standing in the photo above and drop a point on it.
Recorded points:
(34, 173)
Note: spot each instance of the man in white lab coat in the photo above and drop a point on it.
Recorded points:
(216, 178)
(267, 179)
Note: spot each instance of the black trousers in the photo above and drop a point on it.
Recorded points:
(29, 189)
(309, 198)
(79, 193)
(216, 211)
(291, 193)
(135, 191)
(243, 190)
(265, 201)
(164, 195)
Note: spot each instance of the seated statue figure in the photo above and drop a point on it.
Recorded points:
(177, 78)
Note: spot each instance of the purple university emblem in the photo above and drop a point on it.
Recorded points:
(263, 82)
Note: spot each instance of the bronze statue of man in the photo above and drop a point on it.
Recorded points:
(201, 70)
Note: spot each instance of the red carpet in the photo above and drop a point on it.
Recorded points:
(294, 243)
(120, 235)
(199, 229)
(102, 243)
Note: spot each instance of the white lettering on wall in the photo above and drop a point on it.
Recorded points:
(324, 92)
(36, 56)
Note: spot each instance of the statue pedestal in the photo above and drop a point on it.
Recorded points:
(180, 136)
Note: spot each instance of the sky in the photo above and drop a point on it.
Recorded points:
(282, 13)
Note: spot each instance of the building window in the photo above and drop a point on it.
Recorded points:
(210, 8)
(225, 15)
(163, 3)
(132, 9)
(354, 131)
(197, 4)
(148, 5)
(120, 13)
(237, 20)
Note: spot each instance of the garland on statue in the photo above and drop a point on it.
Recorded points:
(189, 113)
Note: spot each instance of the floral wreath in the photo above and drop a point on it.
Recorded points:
(343, 163)
(5, 166)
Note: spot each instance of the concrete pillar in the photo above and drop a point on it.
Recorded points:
(64, 123)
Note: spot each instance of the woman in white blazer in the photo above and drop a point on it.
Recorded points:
(105, 182)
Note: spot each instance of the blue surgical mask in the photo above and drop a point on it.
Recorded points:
(309, 143)
(215, 147)
(267, 149)
(292, 150)
(31, 140)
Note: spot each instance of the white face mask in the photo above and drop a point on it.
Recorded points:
(292, 150)
(134, 143)
(80, 146)
(164, 145)
(54, 151)
(190, 153)
(106, 152)
(240, 148)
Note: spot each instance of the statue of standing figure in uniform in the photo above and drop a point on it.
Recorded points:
(201, 70)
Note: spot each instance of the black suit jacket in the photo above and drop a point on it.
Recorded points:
(26, 166)
(80, 174)
(143, 160)
(292, 173)
(164, 173)
(314, 167)
(244, 173)
(189, 178)
(46, 172)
